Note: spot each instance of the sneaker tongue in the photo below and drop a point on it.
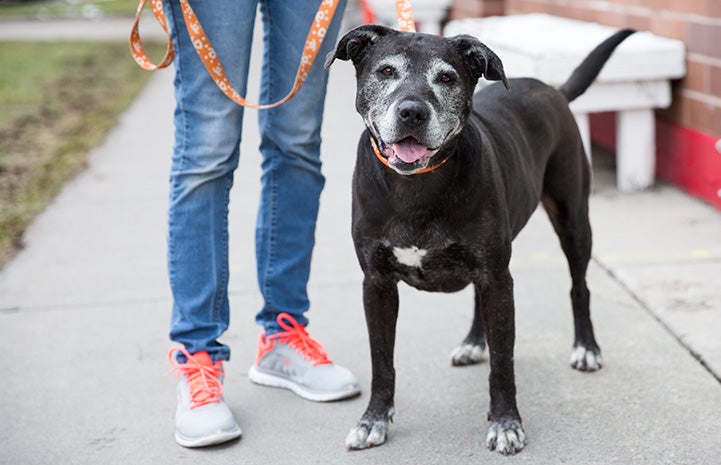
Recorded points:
(203, 358)
(409, 150)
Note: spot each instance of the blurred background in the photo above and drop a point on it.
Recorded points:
(84, 300)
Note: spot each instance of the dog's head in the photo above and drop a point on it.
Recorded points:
(414, 91)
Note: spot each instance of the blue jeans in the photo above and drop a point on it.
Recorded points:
(207, 143)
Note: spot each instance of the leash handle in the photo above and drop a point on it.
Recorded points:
(136, 45)
(210, 59)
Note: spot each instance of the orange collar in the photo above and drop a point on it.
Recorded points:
(384, 160)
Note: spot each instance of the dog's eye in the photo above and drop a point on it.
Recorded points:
(387, 71)
(446, 78)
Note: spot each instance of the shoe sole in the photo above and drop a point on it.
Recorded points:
(210, 440)
(266, 379)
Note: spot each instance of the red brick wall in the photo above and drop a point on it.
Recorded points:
(697, 97)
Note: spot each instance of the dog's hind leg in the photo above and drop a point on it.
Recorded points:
(566, 203)
(471, 349)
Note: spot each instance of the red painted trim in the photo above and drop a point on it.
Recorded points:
(603, 129)
(688, 159)
(684, 157)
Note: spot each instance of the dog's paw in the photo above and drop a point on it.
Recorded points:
(467, 354)
(584, 359)
(506, 437)
(367, 434)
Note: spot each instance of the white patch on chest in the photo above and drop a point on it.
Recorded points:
(410, 256)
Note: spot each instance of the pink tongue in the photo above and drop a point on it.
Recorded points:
(409, 150)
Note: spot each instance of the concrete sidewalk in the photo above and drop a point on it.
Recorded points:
(84, 312)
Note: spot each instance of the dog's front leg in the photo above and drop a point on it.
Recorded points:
(505, 433)
(380, 300)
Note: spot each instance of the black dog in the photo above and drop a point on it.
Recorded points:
(443, 183)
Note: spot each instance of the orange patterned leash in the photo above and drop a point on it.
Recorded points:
(210, 59)
(405, 16)
(136, 45)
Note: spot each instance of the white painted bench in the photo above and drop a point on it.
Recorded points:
(634, 81)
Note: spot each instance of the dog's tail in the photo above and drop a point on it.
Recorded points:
(583, 76)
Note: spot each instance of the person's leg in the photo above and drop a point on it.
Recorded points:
(291, 184)
(291, 168)
(205, 154)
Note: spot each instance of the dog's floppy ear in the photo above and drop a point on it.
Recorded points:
(355, 43)
(480, 60)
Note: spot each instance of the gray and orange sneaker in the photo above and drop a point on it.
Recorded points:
(202, 417)
(292, 360)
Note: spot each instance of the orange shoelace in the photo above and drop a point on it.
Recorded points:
(298, 338)
(204, 376)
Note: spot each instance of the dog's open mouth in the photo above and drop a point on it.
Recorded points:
(408, 153)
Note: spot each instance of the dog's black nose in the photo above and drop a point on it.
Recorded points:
(412, 113)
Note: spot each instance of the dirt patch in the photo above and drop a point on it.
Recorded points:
(45, 144)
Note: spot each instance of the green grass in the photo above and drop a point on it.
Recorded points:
(59, 8)
(57, 102)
